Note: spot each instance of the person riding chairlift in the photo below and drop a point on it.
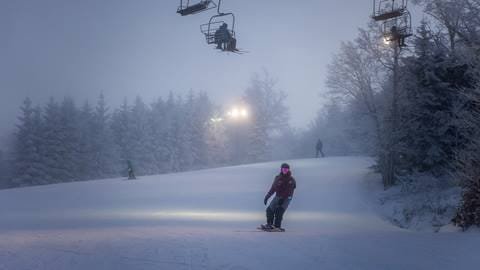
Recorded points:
(397, 36)
(224, 39)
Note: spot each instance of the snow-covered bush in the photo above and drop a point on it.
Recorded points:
(420, 202)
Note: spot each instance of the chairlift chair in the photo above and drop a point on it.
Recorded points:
(210, 29)
(388, 9)
(398, 28)
(187, 8)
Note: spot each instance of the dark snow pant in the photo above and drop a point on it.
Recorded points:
(131, 175)
(321, 152)
(275, 211)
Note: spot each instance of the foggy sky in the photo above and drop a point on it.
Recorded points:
(125, 48)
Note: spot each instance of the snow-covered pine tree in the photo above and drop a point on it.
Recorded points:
(174, 135)
(86, 146)
(434, 81)
(38, 128)
(104, 154)
(468, 213)
(198, 123)
(456, 36)
(468, 163)
(51, 141)
(187, 118)
(424, 108)
(159, 133)
(121, 127)
(69, 142)
(4, 180)
(29, 169)
(467, 115)
(142, 139)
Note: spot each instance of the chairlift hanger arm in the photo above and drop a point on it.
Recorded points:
(222, 15)
(218, 6)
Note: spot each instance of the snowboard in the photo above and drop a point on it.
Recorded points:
(263, 228)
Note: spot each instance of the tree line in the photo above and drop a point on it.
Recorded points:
(418, 106)
(61, 142)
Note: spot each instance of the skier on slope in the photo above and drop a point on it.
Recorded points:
(319, 148)
(131, 174)
(283, 187)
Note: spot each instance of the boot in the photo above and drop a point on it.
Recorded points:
(279, 217)
(277, 229)
(267, 227)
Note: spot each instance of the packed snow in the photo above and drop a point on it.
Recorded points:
(207, 220)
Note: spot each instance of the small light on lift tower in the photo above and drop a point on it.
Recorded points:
(216, 119)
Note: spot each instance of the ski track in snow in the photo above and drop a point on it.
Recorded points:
(206, 220)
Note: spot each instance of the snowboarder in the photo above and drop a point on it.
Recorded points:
(319, 148)
(283, 187)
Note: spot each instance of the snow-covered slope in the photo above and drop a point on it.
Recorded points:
(206, 220)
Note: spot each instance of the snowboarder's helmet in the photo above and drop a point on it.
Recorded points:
(285, 165)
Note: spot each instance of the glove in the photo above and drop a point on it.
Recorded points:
(265, 200)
